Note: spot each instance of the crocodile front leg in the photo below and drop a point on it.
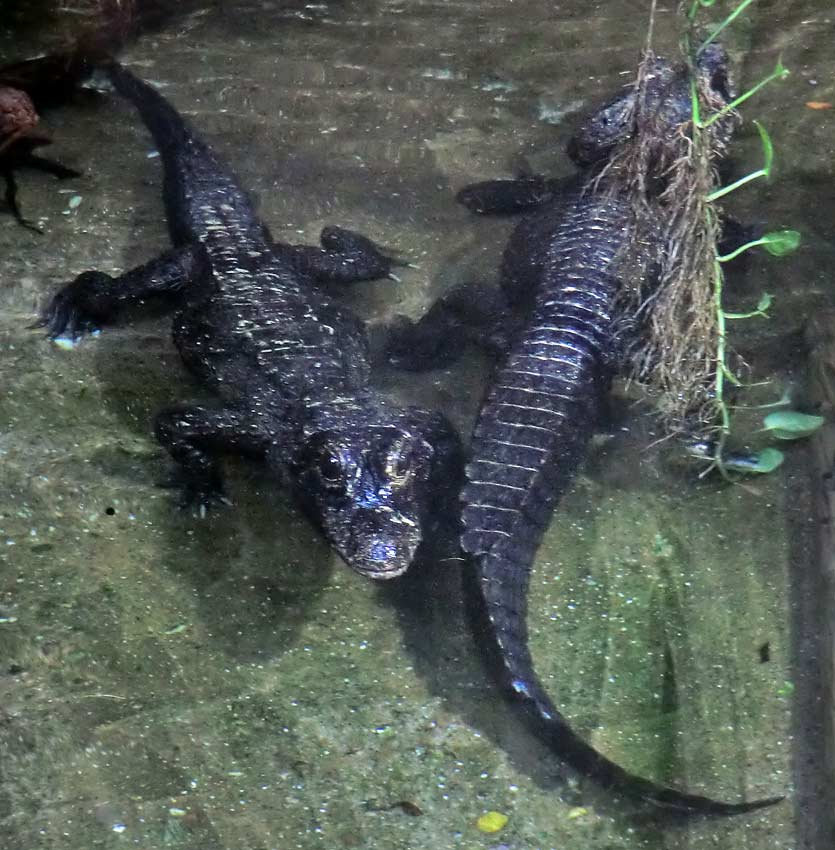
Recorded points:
(94, 299)
(195, 437)
(345, 257)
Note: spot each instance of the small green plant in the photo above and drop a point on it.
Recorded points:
(765, 171)
(778, 244)
(787, 424)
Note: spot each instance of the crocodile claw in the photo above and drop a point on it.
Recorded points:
(70, 313)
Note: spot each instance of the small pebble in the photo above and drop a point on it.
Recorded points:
(491, 822)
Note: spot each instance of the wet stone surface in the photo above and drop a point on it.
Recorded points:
(227, 684)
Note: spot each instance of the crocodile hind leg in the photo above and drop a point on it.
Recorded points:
(474, 313)
(524, 194)
(468, 314)
(345, 257)
(94, 299)
(195, 436)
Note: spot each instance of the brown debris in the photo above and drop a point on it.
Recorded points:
(675, 356)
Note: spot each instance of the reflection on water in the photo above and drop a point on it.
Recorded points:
(228, 683)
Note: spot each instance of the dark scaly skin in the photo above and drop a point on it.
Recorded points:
(562, 271)
(289, 362)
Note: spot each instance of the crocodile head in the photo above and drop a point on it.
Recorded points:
(372, 490)
(667, 100)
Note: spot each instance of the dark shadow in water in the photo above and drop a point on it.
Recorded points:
(256, 567)
(25, 17)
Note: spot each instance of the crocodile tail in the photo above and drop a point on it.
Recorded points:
(167, 126)
(504, 541)
(507, 616)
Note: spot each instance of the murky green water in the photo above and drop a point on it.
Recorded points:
(229, 684)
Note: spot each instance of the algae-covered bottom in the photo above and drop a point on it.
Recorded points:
(227, 684)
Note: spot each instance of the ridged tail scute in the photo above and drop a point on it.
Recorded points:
(530, 438)
(167, 127)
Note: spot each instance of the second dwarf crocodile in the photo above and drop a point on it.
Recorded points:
(563, 271)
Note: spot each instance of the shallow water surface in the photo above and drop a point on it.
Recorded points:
(228, 684)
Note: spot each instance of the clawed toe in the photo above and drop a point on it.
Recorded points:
(396, 259)
(392, 258)
(76, 310)
(62, 319)
(201, 502)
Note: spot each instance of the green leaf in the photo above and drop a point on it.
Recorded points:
(765, 302)
(781, 242)
(768, 148)
(780, 70)
(791, 425)
(778, 242)
(765, 171)
(762, 306)
(762, 462)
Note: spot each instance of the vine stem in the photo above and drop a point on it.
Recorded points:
(721, 368)
(729, 20)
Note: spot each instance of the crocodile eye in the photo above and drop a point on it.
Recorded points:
(720, 84)
(398, 466)
(405, 458)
